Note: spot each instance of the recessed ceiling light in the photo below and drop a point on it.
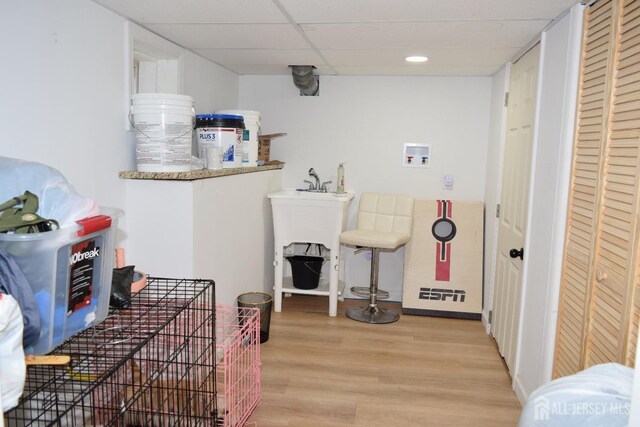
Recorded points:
(416, 58)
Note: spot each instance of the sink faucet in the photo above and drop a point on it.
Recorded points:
(315, 175)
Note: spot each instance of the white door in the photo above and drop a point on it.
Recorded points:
(514, 202)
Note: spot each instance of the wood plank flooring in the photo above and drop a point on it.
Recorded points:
(420, 371)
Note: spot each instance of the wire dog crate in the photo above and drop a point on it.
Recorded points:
(238, 367)
(154, 364)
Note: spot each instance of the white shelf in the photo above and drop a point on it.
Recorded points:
(322, 289)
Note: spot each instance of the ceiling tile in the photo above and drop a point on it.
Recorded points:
(263, 61)
(476, 70)
(452, 34)
(276, 70)
(305, 11)
(437, 57)
(259, 70)
(232, 36)
(196, 11)
(284, 58)
(366, 37)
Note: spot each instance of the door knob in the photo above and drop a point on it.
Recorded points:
(514, 253)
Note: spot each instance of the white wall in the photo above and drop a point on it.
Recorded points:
(238, 249)
(218, 229)
(559, 66)
(493, 184)
(211, 86)
(64, 91)
(364, 122)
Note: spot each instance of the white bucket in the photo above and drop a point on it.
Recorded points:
(250, 144)
(209, 147)
(230, 139)
(163, 124)
(220, 140)
(219, 147)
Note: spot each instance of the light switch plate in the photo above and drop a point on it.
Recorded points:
(448, 182)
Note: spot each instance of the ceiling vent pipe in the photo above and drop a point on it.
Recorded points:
(305, 80)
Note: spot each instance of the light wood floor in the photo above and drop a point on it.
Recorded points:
(419, 371)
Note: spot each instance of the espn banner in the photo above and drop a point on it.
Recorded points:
(443, 260)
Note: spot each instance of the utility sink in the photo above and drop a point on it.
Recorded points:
(308, 217)
(310, 195)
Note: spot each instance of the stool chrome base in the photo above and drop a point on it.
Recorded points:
(363, 291)
(373, 314)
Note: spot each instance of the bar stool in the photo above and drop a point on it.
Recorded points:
(384, 223)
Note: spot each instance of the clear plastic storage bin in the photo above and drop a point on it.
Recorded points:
(70, 276)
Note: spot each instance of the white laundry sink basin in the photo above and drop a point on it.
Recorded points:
(305, 216)
(310, 195)
(308, 217)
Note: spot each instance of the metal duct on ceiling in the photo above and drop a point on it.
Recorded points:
(305, 80)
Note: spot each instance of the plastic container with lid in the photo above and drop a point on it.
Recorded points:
(69, 271)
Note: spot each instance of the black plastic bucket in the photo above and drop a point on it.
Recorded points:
(305, 271)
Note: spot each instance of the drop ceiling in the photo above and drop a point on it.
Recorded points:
(348, 37)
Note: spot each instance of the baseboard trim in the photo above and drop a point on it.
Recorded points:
(521, 393)
(485, 322)
(440, 313)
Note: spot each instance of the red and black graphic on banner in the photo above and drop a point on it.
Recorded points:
(444, 230)
(83, 256)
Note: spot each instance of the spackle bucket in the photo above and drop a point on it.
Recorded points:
(163, 125)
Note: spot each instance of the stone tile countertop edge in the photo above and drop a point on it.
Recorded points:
(196, 174)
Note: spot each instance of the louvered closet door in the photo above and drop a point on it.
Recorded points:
(617, 234)
(584, 193)
(600, 297)
(623, 180)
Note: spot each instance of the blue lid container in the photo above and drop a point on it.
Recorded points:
(219, 121)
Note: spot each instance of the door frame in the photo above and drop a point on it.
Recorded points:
(530, 212)
(492, 198)
(551, 173)
(554, 258)
(532, 171)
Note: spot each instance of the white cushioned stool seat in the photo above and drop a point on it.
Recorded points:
(378, 239)
(384, 222)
